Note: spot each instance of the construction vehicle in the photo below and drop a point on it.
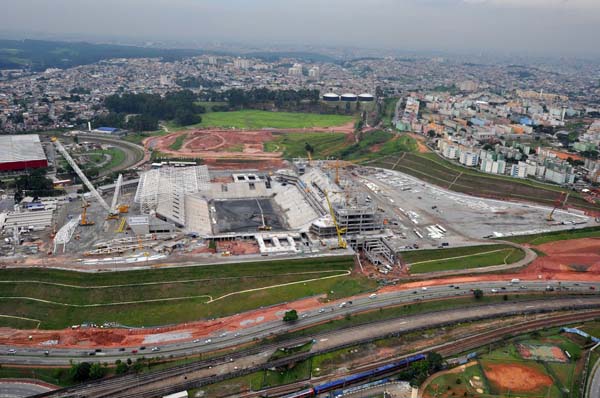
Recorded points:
(560, 202)
(264, 226)
(85, 222)
(309, 157)
(115, 208)
(339, 231)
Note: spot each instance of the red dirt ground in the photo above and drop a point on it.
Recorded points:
(89, 338)
(214, 146)
(579, 256)
(516, 378)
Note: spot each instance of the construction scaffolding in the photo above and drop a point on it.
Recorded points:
(166, 183)
(64, 235)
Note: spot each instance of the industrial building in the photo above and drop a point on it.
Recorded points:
(21, 152)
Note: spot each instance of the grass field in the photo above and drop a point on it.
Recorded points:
(433, 169)
(538, 239)
(293, 145)
(376, 144)
(458, 258)
(178, 143)
(254, 119)
(564, 376)
(181, 294)
(117, 156)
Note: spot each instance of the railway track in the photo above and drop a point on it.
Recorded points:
(175, 379)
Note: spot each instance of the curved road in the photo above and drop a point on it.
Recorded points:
(222, 339)
(594, 386)
(134, 154)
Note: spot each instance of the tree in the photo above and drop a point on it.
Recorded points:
(478, 293)
(97, 371)
(309, 148)
(80, 371)
(290, 316)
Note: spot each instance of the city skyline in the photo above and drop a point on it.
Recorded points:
(538, 28)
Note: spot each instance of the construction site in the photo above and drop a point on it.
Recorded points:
(305, 208)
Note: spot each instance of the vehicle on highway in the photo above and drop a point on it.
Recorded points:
(142, 347)
(342, 305)
(196, 341)
(134, 351)
(155, 349)
(322, 310)
(122, 349)
(494, 290)
(373, 296)
(208, 341)
(46, 353)
(12, 351)
(423, 288)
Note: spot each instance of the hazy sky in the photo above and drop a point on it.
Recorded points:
(555, 27)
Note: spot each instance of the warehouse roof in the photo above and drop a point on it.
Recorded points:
(21, 148)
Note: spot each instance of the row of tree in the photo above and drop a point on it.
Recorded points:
(238, 98)
(148, 109)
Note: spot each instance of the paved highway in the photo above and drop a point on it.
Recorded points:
(187, 376)
(63, 356)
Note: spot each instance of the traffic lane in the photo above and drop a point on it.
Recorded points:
(19, 390)
(365, 303)
(594, 390)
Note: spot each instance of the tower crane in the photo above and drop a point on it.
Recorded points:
(339, 231)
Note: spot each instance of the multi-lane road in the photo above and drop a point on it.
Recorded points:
(209, 371)
(46, 355)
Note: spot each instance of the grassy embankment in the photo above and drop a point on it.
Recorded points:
(181, 294)
(459, 258)
(433, 169)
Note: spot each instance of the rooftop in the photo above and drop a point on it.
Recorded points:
(21, 148)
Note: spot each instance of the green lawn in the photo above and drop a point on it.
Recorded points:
(175, 146)
(376, 144)
(57, 376)
(137, 138)
(226, 388)
(293, 145)
(300, 371)
(538, 239)
(422, 261)
(254, 119)
(76, 301)
(433, 169)
(117, 157)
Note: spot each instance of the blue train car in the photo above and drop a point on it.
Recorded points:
(332, 385)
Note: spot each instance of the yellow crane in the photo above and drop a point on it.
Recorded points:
(341, 242)
(84, 222)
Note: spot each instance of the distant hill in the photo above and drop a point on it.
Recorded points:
(38, 55)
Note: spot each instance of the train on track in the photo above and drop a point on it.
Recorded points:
(362, 376)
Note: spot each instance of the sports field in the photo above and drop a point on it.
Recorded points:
(458, 258)
(255, 119)
(435, 170)
(510, 370)
(57, 299)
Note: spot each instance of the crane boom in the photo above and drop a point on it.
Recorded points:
(115, 199)
(85, 180)
(339, 231)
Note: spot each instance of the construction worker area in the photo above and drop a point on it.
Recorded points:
(309, 208)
